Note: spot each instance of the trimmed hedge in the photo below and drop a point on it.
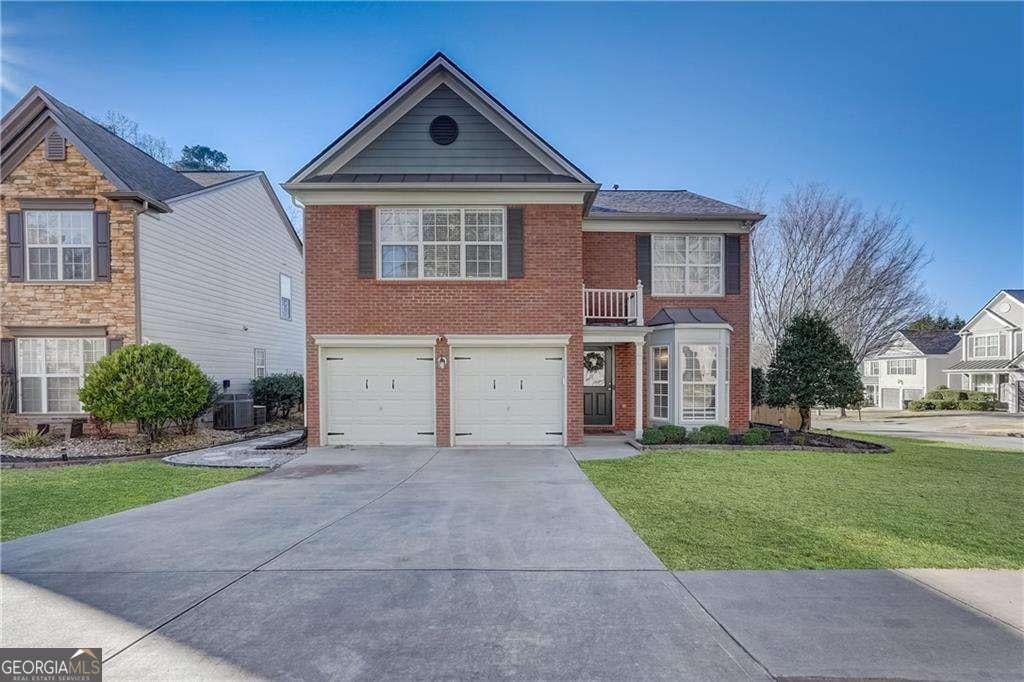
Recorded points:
(666, 433)
(952, 399)
(712, 434)
(757, 436)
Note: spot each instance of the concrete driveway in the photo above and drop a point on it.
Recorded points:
(451, 564)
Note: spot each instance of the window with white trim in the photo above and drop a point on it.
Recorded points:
(285, 292)
(659, 382)
(259, 363)
(50, 372)
(986, 346)
(698, 382)
(58, 246)
(872, 368)
(901, 366)
(687, 265)
(441, 243)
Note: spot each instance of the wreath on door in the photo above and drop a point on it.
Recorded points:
(593, 361)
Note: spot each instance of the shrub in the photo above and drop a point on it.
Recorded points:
(653, 436)
(757, 436)
(921, 405)
(673, 433)
(31, 439)
(149, 384)
(187, 423)
(975, 405)
(942, 387)
(279, 393)
(800, 438)
(712, 434)
(948, 404)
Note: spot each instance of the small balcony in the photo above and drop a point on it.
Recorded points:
(613, 306)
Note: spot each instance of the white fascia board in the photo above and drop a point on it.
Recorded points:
(537, 340)
(985, 311)
(418, 194)
(598, 334)
(591, 224)
(378, 340)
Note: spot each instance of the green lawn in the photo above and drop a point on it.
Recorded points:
(34, 500)
(924, 505)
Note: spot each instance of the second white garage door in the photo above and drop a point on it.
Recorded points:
(508, 396)
(379, 395)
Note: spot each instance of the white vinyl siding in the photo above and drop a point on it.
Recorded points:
(687, 265)
(58, 246)
(50, 372)
(210, 282)
(698, 382)
(659, 382)
(901, 366)
(441, 243)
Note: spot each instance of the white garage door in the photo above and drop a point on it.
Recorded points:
(379, 396)
(891, 399)
(509, 396)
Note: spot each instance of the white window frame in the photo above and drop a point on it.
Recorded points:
(282, 298)
(259, 368)
(683, 383)
(60, 247)
(901, 367)
(721, 267)
(872, 368)
(44, 376)
(462, 243)
(991, 351)
(667, 382)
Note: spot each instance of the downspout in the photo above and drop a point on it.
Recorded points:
(138, 272)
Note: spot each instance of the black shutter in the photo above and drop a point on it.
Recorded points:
(8, 376)
(15, 248)
(113, 343)
(367, 254)
(643, 260)
(515, 243)
(732, 264)
(101, 240)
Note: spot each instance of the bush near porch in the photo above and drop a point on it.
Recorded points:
(955, 399)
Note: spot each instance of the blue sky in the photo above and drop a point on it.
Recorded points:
(914, 106)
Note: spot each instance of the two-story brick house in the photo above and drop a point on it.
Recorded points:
(103, 245)
(468, 284)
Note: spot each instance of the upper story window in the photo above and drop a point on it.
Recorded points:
(59, 245)
(986, 346)
(286, 297)
(871, 368)
(441, 243)
(687, 265)
(901, 366)
(50, 372)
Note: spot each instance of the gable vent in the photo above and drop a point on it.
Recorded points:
(444, 130)
(53, 149)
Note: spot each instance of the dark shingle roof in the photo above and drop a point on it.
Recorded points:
(356, 178)
(140, 171)
(685, 316)
(1016, 293)
(211, 178)
(668, 202)
(933, 342)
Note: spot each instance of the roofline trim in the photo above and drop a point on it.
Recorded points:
(147, 201)
(441, 185)
(752, 217)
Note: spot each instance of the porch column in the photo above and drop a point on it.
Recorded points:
(639, 373)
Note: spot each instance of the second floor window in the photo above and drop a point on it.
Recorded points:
(871, 368)
(902, 366)
(59, 245)
(286, 297)
(441, 243)
(986, 346)
(686, 265)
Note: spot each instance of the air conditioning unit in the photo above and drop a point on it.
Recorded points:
(259, 415)
(233, 411)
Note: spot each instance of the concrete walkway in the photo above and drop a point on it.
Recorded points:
(419, 563)
(255, 453)
(604, 447)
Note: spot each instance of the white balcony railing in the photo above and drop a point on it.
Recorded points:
(625, 306)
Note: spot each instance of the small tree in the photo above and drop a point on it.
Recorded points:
(150, 384)
(812, 367)
(757, 387)
(280, 393)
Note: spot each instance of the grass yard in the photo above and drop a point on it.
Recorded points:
(924, 505)
(34, 500)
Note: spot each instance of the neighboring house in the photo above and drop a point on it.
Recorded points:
(912, 364)
(103, 245)
(992, 357)
(468, 284)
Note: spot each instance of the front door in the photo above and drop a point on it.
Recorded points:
(598, 385)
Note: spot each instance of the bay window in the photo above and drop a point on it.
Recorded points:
(687, 265)
(659, 382)
(441, 243)
(59, 245)
(698, 382)
(50, 372)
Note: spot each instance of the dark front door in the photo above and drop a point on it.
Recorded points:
(598, 385)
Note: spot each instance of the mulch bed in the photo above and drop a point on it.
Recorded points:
(781, 440)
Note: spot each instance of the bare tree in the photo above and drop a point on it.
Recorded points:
(128, 129)
(819, 251)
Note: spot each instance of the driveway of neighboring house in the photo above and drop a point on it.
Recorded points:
(419, 563)
(988, 429)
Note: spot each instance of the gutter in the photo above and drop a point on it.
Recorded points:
(148, 202)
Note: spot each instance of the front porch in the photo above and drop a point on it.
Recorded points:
(613, 385)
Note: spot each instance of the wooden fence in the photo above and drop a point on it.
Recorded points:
(790, 416)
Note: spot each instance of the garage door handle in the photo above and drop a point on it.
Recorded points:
(392, 384)
(494, 384)
(520, 384)
(367, 384)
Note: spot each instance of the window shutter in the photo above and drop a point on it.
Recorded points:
(113, 343)
(15, 248)
(54, 149)
(8, 376)
(643, 260)
(367, 253)
(101, 240)
(515, 242)
(732, 264)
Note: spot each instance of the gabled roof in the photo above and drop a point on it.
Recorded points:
(685, 316)
(125, 165)
(436, 71)
(211, 178)
(932, 342)
(1015, 293)
(664, 204)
